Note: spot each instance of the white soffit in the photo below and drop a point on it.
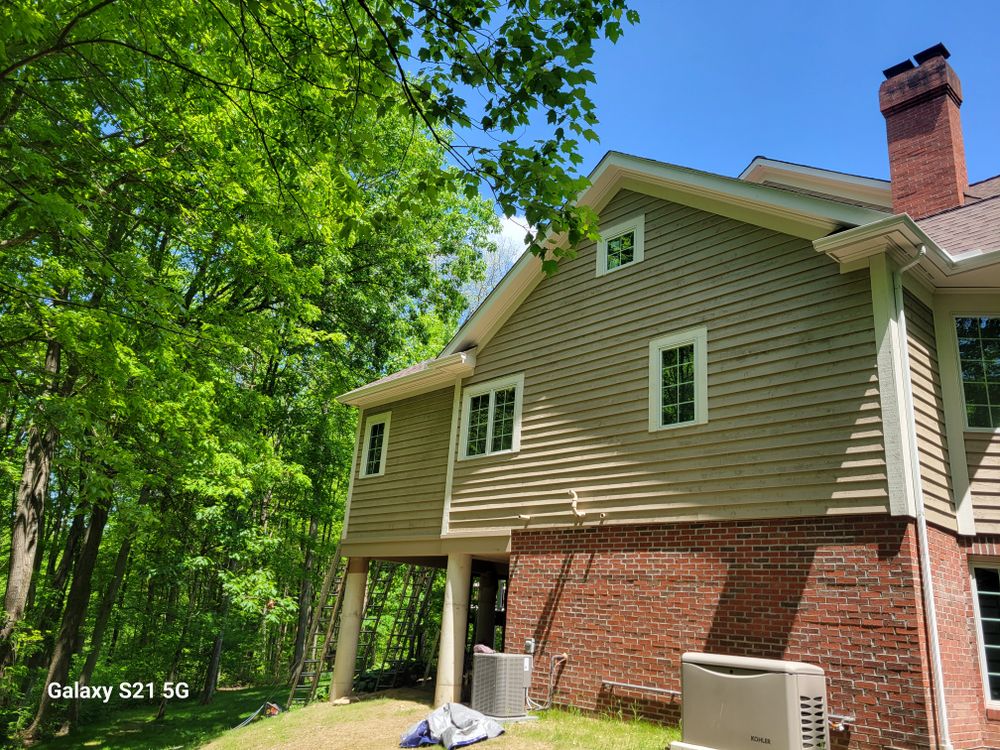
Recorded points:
(423, 378)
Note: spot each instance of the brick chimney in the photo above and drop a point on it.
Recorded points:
(926, 154)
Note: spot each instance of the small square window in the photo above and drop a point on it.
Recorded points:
(621, 245)
(375, 444)
(979, 360)
(621, 250)
(678, 380)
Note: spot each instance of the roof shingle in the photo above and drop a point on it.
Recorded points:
(974, 226)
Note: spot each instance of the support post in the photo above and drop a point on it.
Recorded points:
(454, 625)
(486, 611)
(351, 612)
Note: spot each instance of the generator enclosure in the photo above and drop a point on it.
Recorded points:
(500, 684)
(740, 703)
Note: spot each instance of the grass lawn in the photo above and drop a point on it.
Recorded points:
(377, 724)
(371, 724)
(186, 725)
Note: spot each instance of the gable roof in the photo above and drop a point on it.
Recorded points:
(800, 215)
(843, 215)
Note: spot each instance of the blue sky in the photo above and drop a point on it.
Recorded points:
(712, 84)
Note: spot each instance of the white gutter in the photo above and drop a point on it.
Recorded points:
(930, 609)
(428, 376)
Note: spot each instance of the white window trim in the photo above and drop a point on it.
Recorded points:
(479, 389)
(958, 365)
(980, 641)
(383, 418)
(698, 337)
(635, 224)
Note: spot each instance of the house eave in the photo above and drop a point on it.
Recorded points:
(784, 211)
(439, 373)
(836, 184)
(900, 238)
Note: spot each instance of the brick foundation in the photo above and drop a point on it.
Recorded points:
(624, 602)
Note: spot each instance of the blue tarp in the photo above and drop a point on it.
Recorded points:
(452, 725)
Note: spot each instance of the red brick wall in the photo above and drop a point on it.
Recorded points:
(971, 725)
(624, 602)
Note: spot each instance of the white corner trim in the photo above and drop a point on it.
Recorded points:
(385, 418)
(449, 477)
(698, 337)
(517, 381)
(636, 225)
(954, 414)
(354, 470)
(895, 430)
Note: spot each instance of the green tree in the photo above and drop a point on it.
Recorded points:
(215, 217)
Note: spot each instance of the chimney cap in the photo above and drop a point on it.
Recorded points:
(938, 50)
(898, 68)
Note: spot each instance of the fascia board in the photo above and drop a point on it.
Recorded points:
(850, 187)
(899, 235)
(803, 215)
(439, 373)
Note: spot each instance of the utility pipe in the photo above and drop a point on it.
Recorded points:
(918, 493)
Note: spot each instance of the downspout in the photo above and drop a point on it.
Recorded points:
(923, 551)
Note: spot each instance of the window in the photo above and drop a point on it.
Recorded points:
(376, 440)
(979, 359)
(492, 422)
(678, 380)
(621, 245)
(986, 587)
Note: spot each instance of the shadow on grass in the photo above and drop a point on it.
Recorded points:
(186, 724)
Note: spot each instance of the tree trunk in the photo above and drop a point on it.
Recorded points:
(60, 576)
(215, 660)
(75, 612)
(100, 625)
(25, 539)
(305, 597)
(174, 664)
(212, 675)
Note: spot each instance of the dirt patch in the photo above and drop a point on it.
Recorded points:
(374, 724)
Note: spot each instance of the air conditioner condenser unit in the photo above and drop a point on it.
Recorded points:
(740, 703)
(500, 684)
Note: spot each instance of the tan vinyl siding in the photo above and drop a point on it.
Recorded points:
(407, 502)
(982, 450)
(928, 412)
(794, 417)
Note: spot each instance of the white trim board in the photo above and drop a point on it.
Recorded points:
(479, 389)
(383, 418)
(699, 338)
